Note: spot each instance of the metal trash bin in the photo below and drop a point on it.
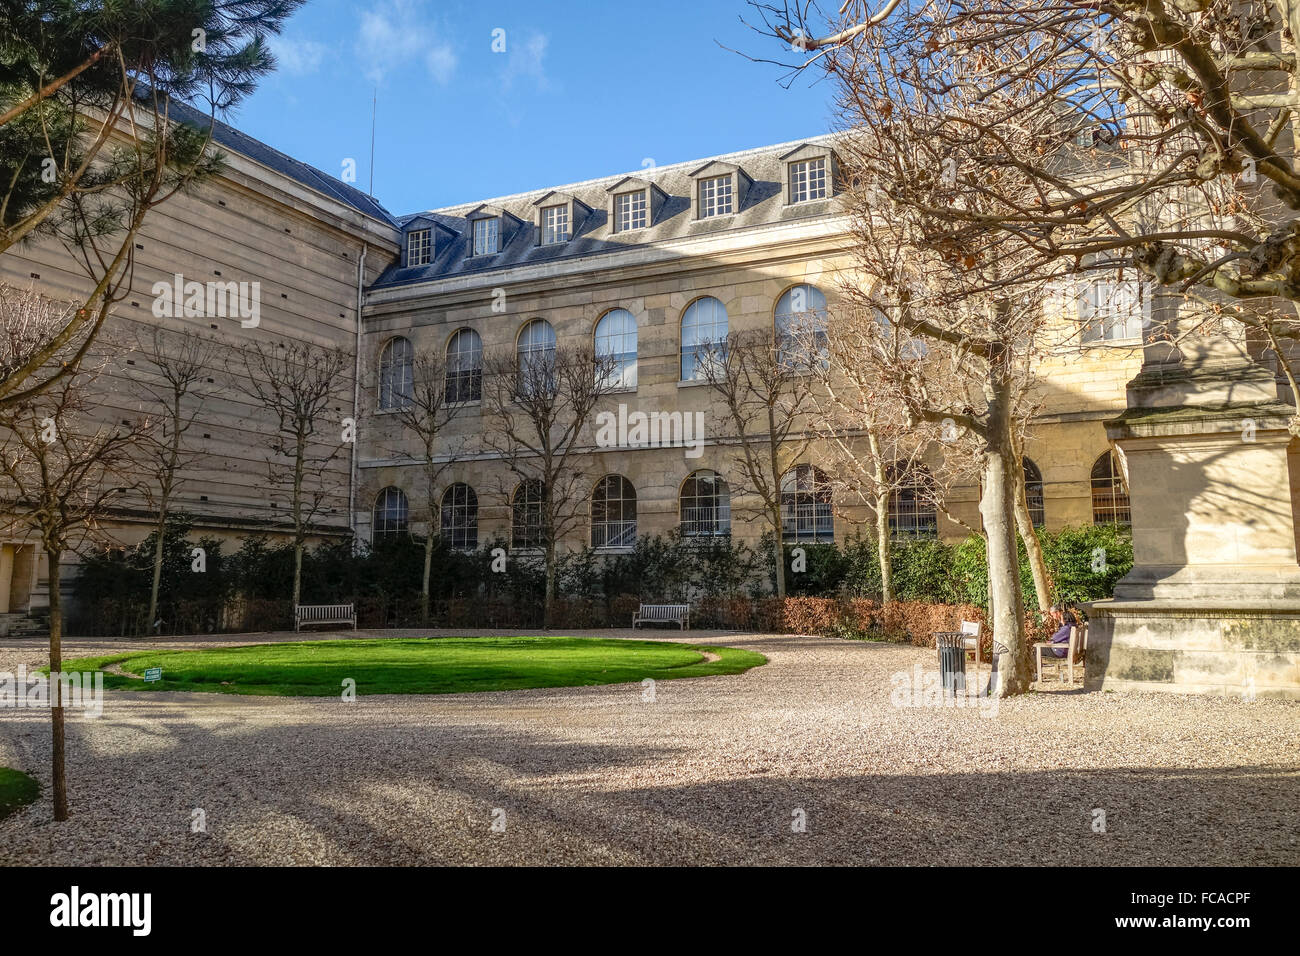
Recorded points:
(952, 661)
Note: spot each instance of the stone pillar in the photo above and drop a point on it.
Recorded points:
(6, 576)
(1212, 604)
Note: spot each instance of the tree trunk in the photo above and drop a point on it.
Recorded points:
(550, 585)
(1029, 535)
(774, 507)
(157, 568)
(883, 555)
(882, 520)
(1033, 548)
(775, 517)
(424, 582)
(997, 508)
(297, 572)
(58, 772)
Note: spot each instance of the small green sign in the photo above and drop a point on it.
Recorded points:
(153, 673)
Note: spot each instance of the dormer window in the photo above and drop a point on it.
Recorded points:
(558, 217)
(715, 196)
(487, 236)
(419, 247)
(555, 224)
(634, 204)
(631, 210)
(720, 189)
(808, 180)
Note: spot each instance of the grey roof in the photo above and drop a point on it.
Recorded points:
(764, 204)
(227, 137)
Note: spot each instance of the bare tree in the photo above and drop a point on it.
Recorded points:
(298, 383)
(61, 475)
(966, 388)
(1078, 139)
(180, 361)
(538, 404)
(873, 450)
(764, 386)
(434, 402)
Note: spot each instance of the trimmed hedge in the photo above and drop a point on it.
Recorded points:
(730, 585)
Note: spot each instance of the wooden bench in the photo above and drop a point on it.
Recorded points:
(324, 614)
(1076, 646)
(663, 614)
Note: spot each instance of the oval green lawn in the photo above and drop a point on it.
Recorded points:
(16, 790)
(417, 666)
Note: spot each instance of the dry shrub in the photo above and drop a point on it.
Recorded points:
(812, 615)
(622, 608)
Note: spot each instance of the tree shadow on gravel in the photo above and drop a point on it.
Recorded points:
(395, 791)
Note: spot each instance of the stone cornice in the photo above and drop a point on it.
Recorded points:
(752, 245)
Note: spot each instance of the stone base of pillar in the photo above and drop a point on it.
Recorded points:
(1243, 649)
(1212, 603)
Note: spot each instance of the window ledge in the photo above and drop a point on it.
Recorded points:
(690, 383)
(474, 403)
(1129, 343)
(622, 549)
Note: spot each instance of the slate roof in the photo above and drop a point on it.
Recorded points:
(229, 138)
(764, 204)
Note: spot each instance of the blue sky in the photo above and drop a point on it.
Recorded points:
(583, 89)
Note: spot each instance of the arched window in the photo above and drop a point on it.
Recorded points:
(460, 517)
(806, 505)
(536, 351)
(613, 513)
(704, 334)
(1109, 499)
(1034, 494)
(396, 373)
(801, 327)
(705, 503)
(911, 507)
(616, 344)
(390, 517)
(528, 515)
(465, 367)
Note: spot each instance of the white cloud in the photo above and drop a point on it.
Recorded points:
(525, 61)
(295, 56)
(441, 62)
(395, 33)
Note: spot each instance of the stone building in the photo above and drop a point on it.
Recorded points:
(311, 243)
(644, 266)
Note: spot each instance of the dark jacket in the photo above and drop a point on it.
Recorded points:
(1062, 635)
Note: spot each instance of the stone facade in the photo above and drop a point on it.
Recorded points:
(267, 220)
(656, 275)
(303, 237)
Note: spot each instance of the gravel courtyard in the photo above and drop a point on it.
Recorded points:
(711, 772)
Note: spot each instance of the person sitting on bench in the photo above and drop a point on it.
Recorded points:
(1061, 615)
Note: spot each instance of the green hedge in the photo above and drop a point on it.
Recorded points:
(941, 573)
(250, 588)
